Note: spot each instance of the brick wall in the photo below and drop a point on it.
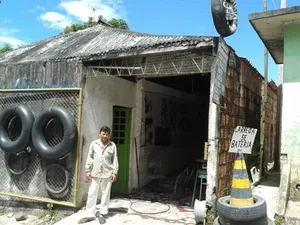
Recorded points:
(229, 119)
(270, 124)
(241, 106)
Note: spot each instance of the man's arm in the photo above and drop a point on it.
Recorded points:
(90, 159)
(115, 161)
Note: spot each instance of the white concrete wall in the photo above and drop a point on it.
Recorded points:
(213, 143)
(290, 132)
(99, 96)
(159, 160)
(104, 92)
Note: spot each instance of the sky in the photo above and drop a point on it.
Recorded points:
(26, 21)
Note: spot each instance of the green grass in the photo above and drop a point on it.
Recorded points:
(279, 220)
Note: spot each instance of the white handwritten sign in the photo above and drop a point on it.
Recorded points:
(242, 139)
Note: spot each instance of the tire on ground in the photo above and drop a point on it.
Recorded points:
(225, 28)
(234, 215)
(69, 133)
(24, 139)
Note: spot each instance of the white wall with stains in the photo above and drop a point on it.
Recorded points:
(102, 93)
(99, 96)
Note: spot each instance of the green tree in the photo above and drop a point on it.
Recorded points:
(117, 23)
(6, 47)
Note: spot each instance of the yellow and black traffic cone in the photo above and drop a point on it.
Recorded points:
(241, 193)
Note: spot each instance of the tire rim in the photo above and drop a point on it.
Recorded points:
(231, 12)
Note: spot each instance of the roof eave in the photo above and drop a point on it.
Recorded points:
(269, 27)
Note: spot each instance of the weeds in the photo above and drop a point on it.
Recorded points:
(51, 214)
(279, 220)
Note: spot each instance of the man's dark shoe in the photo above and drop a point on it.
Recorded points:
(85, 220)
(101, 218)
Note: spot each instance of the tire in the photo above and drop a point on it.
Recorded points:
(66, 145)
(24, 157)
(180, 183)
(62, 196)
(253, 215)
(49, 187)
(224, 26)
(24, 139)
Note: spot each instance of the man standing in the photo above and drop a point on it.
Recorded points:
(101, 168)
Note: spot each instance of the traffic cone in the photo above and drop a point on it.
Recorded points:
(241, 194)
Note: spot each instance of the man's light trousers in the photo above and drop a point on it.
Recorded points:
(104, 184)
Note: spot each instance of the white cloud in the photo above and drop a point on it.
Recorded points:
(55, 20)
(37, 8)
(14, 42)
(80, 10)
(7, 36)
(6, 21)
(40, 8)
(7, 31)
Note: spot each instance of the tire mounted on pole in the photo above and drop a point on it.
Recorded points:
(224, 13)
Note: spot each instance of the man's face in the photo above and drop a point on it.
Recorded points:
(104, 136)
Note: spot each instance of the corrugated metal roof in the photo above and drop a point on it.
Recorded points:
(98, 40)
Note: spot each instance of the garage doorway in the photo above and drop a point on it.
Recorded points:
(175, 120)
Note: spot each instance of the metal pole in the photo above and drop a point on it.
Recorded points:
(263, 107)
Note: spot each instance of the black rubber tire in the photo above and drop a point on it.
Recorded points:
(216, 222)
(223, 27)
(67, 178)
(62, 196)
(69, 138)
(27, 120)
(255, 214)
(26, 158)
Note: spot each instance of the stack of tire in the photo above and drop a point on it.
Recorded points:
(32, 136)
(241, 207)
(242, 215)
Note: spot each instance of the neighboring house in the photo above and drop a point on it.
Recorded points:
(163, 96)
(280, 32)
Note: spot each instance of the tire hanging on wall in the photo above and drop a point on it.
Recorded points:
(24, 138)
(53, 179)
(20, 159)
(224, 13)
(69, 138)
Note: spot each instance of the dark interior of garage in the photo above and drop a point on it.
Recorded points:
(178, 184)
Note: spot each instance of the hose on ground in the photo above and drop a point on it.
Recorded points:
(150, 213)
